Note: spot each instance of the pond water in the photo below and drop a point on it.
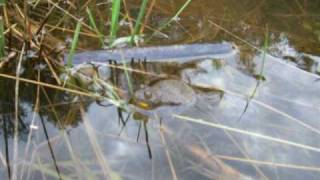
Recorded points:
(248, 115)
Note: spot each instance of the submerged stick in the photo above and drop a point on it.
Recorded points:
(173, 53)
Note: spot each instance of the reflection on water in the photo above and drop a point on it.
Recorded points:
(190, 111)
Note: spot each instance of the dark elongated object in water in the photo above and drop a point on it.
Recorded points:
(173, 53)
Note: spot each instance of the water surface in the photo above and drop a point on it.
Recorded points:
(222, 132)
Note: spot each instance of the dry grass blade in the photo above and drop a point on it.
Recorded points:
(67, 13)
(116, 102)
(149, 11)
(2, 159)
(16, 121)
(244, 153)
(170, 161)
(278, 111)
(76, 92)
(248, 133)
(32, 125)
(107, 172)
(216, 167)
(268, 163)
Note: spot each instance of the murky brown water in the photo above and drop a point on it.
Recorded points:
(220, 132)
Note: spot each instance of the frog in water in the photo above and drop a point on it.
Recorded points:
(170, 92)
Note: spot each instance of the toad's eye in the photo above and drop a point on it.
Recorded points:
(147, 94)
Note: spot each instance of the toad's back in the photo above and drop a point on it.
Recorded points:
(167, 92)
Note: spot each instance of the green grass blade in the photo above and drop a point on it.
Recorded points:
(183, 7)
(74, 44)
(260, 75)
(129, 79)
(139, 20)
(115, 13)
(94, 26)
(2, 39)
(265, 48)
